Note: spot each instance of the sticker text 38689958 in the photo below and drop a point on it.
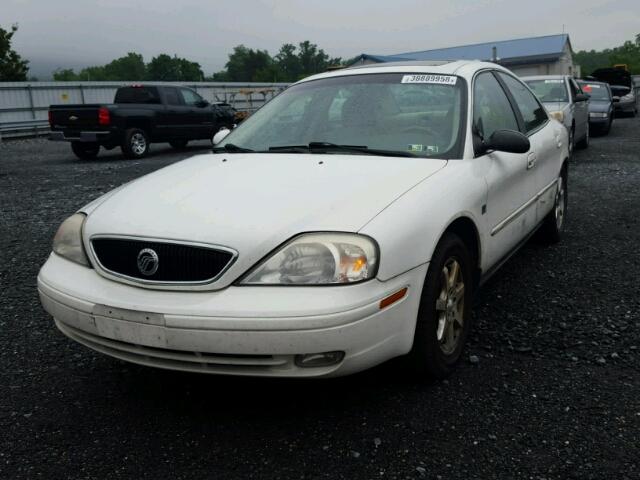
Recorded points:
(430, 78)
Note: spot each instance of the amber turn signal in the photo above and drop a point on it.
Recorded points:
(391, 299)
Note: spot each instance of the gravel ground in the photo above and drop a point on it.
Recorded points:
(553, 391)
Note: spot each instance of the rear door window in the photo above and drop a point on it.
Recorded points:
(172, 97)
(144, 95)
(190, 97)
(530, 108)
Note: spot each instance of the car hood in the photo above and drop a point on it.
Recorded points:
(252, 203)
(599, 105)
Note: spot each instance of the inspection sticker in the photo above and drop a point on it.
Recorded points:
(430, 78)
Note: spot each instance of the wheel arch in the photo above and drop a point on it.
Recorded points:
(141, 124)
(465, 228)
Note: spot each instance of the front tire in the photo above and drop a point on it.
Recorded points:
(85, 150)
(444, 314)
(553, 225)
(135, 144)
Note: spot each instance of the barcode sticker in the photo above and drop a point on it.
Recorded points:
(430, 78)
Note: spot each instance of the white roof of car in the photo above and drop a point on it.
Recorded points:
(463, 68)
(544, 77)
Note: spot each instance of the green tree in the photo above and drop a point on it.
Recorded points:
(312, 59)
(628, 54)
(12, 67)
(245, 63)
(288, 63)
(129, 67)
(221, 76)
(93, 74)
(65, 75)
(171, 69)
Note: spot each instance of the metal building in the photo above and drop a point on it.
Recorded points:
(548, 55)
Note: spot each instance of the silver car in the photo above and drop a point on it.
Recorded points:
(564, 99)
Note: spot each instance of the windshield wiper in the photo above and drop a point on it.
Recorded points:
(327, 146)
(232, 148)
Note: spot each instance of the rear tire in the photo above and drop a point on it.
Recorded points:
(85, 150)
(571, 141)
(444, 315)
(135, 144)
(179, 144)
(553, 224)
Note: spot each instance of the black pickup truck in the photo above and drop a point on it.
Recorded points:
(139, 116)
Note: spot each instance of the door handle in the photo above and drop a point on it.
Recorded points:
(531, 160)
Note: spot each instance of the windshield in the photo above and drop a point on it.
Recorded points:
(595, 91)
(549, 90)
(419, 115)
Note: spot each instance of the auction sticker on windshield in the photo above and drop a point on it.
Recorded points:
(430, 78)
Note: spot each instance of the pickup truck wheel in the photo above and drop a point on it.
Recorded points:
(136, 143)
(85, 150)
(444, 314)
(553, 225)
(179, 144)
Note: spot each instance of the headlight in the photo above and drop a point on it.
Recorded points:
(318, 259)
(68, 240)
(598, 114)
(558, 115)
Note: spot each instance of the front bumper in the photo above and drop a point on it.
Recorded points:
(239, 330)
(599, 121)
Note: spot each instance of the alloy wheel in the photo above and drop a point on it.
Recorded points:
(138, 143)
(560, 204)
(450, 306)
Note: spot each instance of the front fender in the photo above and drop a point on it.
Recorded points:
(409, 229)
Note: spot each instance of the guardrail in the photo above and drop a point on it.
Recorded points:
(29, 128)
(24, 105)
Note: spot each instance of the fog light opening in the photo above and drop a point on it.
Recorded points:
(312, 360)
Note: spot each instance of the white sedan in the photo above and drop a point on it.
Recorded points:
(345, 223)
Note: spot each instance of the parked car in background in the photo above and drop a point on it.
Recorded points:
(624, 100)
(622, 88)
(318, 241)
(600, 105)
(561, 95)
(139, 116)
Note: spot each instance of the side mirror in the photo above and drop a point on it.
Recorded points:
(202, 104)
(222, 133)
(581, 97)
(508, 141)
(615, 98)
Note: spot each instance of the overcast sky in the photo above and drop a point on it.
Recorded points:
(74, 33)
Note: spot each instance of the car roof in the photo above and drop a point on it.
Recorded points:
(544, 77)
(463, 68)
(592, 82)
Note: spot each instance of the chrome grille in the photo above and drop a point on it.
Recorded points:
(177, 263)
